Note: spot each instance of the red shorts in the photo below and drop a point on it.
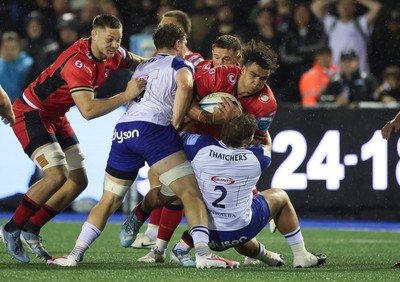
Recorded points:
(34, 128)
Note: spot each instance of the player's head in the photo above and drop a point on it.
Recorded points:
(169, 37)
(258, 62)
(178, 18)
(106, 36)
(226, 50)
(239, 132)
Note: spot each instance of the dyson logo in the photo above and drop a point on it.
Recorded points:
(121, 136)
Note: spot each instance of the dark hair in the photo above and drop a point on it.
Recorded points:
(260, 53)
(166, 35)
(104, 21)
(182, 18)
(228, 42)
(238, 129)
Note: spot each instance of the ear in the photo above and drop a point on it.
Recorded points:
(177, 44)
(93, 33)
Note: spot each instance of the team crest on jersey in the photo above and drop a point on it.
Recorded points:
(107, 72)
(264, 98)
(78, 64)
(231, 78)
(222, 180)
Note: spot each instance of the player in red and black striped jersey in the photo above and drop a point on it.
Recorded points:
(47, 137)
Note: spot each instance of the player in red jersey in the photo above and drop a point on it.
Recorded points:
(248, 84)
(47, 137)
(226, 50)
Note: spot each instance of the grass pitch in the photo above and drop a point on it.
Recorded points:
(352, 256)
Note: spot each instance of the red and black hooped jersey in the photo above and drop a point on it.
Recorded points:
(76, 69)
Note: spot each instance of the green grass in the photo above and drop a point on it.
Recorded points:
(352, 256)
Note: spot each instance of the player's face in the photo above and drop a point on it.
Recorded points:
(223, 57)
(253, 78)
(105, 42)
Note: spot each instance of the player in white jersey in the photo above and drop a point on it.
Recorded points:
(147, 133)
(227, 171)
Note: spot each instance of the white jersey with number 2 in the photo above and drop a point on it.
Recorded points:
(226, 177)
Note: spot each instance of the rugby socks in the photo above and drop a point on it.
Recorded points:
(296, 242)
(44, 215)
(140, 213)
(152, 230)
(200, 237)
(88, 235)
(26, 208)
(185, 243)
(155, 216)
(171, 216)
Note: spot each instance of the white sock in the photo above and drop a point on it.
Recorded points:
(296, 242)
(182, 246)
(88, 235)
(161, 245)
(152, 231)
(200, 237)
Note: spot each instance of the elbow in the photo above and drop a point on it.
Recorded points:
(88, 115)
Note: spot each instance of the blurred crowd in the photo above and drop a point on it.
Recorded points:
(330, 51)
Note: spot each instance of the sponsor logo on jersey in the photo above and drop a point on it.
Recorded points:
(88, 69)
(78, 64)
(222, 180)
(263, 123)
(264, 98)
(121, 136)
(235, 157)
(231, 78)
(107, 72)
(220, 246)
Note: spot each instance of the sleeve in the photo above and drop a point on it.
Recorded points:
(193, 143)
(263, 155)
(178, 63)
(78, 74)
(125, 57)
(329, 23)
(263, 124)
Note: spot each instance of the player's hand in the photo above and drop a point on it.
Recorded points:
(389, 127)
(226, 111)
(135, 87)
(8, 117)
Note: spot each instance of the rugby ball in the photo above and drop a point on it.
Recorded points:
(210, 102)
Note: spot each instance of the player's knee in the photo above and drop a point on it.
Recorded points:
(55, 176)
(175, 173)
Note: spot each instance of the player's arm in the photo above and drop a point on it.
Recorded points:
(136, 60)
(391, 125)
(183, 97)
(90, 107)
(6, 112)
(373, 9)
